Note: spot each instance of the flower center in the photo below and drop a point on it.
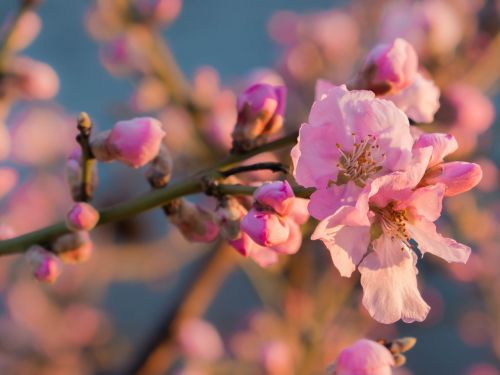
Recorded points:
(393, 223)
(361, 163)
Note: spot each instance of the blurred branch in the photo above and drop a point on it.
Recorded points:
(88, 160)
(160, 351)
(24, 6)
(147, 201)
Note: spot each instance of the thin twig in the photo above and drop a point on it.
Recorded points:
(88, 159)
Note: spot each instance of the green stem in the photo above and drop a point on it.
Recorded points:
(155, 198)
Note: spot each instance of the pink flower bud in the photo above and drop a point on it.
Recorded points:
(276, 358)
(46, 266)
(74, 247)
(278, 195)
(34, 80)
(27, 29)
(196, 223)
(260, 112)
(265, 228)
(243, 244)
(458, 176)
(200, 340)
(365, 357)
(391, 65)
(228, 216)
(82, 216)
(135, 142)
(293, 242)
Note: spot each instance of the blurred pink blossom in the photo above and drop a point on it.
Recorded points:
(82, 216)
(34, 80)
(200, 340)
(46, 266)
(364, 357)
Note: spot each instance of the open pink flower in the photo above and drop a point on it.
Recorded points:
(350, 139)
(400, 221)
(364, 357)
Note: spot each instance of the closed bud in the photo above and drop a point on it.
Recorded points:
(399, 360)
(195, 223)
(261, 108)
(457, 176)
(100, 149)
(82, 216)
(365, 357)
(74, 247)
(278, 195)
(265, 228)
(46, 266)
(390, 67)
(403, 344)
(159, 170)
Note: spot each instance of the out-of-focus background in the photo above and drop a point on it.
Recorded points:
(101, 314)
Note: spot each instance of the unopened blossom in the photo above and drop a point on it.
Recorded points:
(457, 176)
(200, 340)
(390, 67)
(34, 80)
(82, 216)
(272, 226)
(364, 357)
(75, 247)
(160, 169)
(400, 220)
(420, 101)
(46, 265)
(133, 142)
(472, 111)
(196, 223)
(351, 138)
(261, 108)
(27, 28)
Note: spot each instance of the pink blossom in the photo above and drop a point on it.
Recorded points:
(34, 80)
(265, 228)
(46, 266)
(400, 220)
(200, 340)
(473, 111)
(278, 195)
(260, 112)
(134, 142)
(392, 65)
(276, 358)
(350, 139)
(420, 101)
(82, 216)
(364, 357)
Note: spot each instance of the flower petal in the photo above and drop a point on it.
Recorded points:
(388, 278)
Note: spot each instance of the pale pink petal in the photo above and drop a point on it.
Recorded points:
(300, 212)
(321, 88)
(265, 228)
(264, 256)
(292, 244)
(429, 241)
(442, 145)
(278, 195)
(420, 101)
(324, 202)
(426, 201)
(388, 278)
(346, 243)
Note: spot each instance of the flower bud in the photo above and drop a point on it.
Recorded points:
(403, 344)
(46, 266)
(160, 169)
(278, 195)
(34, 80)
(390, 67)
(26, 30)
(82, 216)
(365, 357)
(458, 176)
(195, 223)
(135, 142)
(228, 216)
(260, 113)
(243, 244)
(200, 340)
(100, 149)
(293, 242)
(265, 228)
(74, 247)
